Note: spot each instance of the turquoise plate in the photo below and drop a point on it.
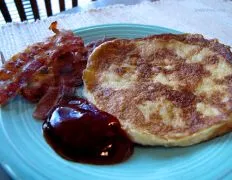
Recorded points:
(25, 154)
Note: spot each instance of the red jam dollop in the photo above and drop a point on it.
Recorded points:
(80, 132)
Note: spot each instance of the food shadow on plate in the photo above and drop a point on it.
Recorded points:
(160, 153)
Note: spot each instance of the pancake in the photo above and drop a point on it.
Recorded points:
(168, 90)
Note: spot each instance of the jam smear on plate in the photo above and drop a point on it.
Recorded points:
(80, 132)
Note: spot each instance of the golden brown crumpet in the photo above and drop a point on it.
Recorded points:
(170, 90)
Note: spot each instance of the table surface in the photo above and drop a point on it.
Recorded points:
(211, 18)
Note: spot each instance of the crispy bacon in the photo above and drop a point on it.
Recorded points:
(67, 76)
(53, 27)
(68, 66)
(52, 97)
(46, 72)
(41, 66)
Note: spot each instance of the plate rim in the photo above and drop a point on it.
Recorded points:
(100, 26)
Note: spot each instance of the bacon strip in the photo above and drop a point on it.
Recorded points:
(52, 97)
(47, 72)
(17, 73)
(10, 88)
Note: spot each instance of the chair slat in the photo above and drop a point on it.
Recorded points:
(74, 3)
(35, 9)
(48, 7)
(5, 11)
(23, 6)
(21, 11)
(62, 5)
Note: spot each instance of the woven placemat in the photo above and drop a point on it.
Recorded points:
(212, 18)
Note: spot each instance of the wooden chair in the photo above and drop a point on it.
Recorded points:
(34, 6)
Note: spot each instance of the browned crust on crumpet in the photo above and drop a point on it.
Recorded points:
(171, 90)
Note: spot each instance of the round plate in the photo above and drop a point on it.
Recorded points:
(25, 154)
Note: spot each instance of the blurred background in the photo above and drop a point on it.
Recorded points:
(30, 10)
